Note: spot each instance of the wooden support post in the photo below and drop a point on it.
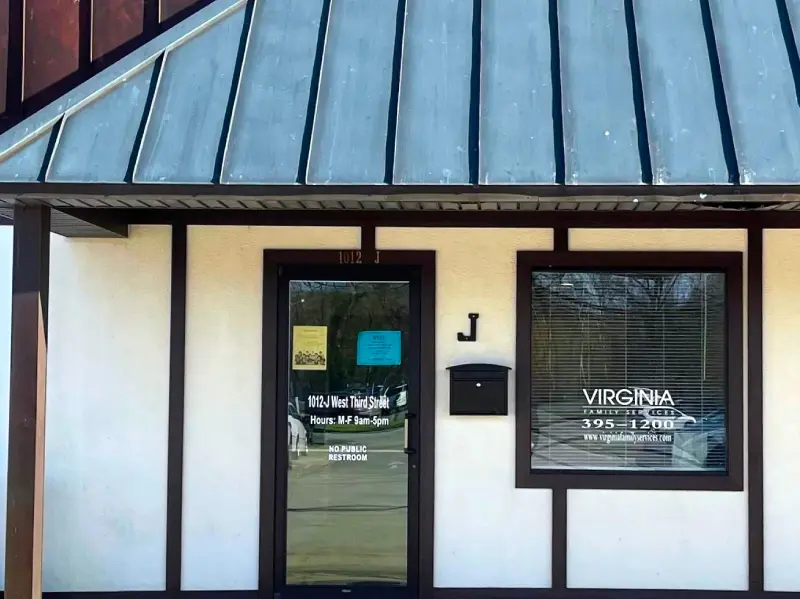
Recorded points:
(31, 269)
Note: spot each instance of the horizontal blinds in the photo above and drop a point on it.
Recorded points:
(628, 370)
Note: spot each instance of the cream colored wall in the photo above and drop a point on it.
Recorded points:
(223, 396)
(107, 404)
(486, 532)
(782, 410)
(107, 417)
(490, 534)
(658, 539)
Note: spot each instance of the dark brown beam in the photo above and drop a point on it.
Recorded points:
(755, 407)
(108, 225)
(24, 512)
(561, 239)
(177, 377)
(368, 243)
(558, 566)
(84, 37)
(559, 558)
(676, 219)
(505, 193)
(151, 14)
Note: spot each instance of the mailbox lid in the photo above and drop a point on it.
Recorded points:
(471, 372)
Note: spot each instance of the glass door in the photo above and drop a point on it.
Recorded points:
(345, 518)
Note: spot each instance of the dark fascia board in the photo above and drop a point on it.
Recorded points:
(457, 593)
(107, 225)
(218, 190)
(732, 263)
(675, 219)
(93, 224)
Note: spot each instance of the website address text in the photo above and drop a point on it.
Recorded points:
(628, 437)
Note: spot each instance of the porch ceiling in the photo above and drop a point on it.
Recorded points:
(435, 92)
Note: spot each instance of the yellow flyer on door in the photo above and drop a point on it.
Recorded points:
(309, 348)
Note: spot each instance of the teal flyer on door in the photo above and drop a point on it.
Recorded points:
(378, 348)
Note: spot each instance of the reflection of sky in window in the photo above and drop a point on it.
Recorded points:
(593, 288)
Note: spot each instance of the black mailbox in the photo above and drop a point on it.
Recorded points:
(479, 390)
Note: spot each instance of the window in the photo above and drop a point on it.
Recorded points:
(631, 367)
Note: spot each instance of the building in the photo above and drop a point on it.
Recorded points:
(420, 298)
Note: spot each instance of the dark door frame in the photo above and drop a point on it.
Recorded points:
(425, 263)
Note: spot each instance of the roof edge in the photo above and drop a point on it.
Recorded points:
(44, 119)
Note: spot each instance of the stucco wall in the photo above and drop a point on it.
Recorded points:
(657, 539)
(617, 539)
(782, 410)
(107, 420)
(223, 396)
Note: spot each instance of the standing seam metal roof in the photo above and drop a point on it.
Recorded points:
(482, 92)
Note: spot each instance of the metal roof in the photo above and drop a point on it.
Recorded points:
(439, 92)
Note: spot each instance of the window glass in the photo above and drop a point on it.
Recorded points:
(628, 371)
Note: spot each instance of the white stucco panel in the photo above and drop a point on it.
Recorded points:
(107, 406)
(657, 539)
(222, 432)
(782, 410)
(486, 532)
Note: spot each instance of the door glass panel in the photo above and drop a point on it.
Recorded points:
(347, 495)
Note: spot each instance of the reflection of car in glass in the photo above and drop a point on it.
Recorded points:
(298, 437)
(304, 420)
(694, 442)
(701, 444)
(662, 414)
(398, 397)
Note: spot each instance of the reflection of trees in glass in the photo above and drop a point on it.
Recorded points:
(607, 329)
(347, 308)
(655, 330)
(623, 330)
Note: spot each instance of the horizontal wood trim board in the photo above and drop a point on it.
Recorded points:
(444, 218)
(707, 193)
(454, 593)
(519, 593)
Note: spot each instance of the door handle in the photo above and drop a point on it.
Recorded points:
(406, 448)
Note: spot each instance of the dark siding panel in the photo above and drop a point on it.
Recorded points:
(51, 42)
(170, 7)
(115, 22)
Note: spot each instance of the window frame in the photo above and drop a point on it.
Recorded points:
(731, 263)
